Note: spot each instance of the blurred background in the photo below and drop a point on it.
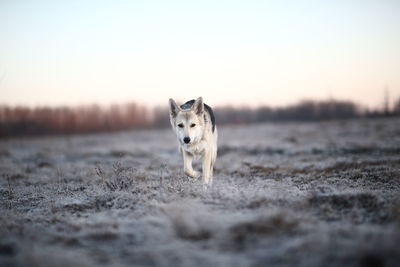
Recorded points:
(91, 66)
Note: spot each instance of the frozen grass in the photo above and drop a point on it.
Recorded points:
(317, 194)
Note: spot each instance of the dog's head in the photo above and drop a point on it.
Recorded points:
(188, 124)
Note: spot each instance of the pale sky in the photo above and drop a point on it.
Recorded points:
(229, 52)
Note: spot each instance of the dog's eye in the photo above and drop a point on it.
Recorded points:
(192, 125)
(180, 125)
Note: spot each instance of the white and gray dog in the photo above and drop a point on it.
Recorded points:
(194, 125)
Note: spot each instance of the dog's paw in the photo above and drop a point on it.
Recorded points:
(196, 175)
(193, 174)
(206, 186)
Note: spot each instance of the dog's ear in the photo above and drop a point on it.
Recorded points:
(173, 108)
(198, 106)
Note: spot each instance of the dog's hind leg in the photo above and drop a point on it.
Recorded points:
(211, 173)
(213, 158)
(187, 165)
(207, 173)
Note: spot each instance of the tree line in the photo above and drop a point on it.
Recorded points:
(25, 121)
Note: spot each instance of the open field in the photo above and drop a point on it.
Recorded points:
(309, 194)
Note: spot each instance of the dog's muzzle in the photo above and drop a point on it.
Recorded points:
(186, 140)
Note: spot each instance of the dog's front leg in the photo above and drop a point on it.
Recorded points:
(207, 179)
(187, 165)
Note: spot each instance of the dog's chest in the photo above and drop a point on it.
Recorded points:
(195, 150)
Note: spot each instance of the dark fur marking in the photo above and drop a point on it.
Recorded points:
(208, 109)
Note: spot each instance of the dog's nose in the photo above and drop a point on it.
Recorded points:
(186, 140)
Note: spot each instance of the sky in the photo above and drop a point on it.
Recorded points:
(230, 52)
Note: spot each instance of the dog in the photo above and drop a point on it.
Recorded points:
(194, 126)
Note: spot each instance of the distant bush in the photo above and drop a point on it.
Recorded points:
(396, 109)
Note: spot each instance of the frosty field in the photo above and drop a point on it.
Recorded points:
(290, 194)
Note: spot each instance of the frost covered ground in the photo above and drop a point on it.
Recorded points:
(309, 194)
